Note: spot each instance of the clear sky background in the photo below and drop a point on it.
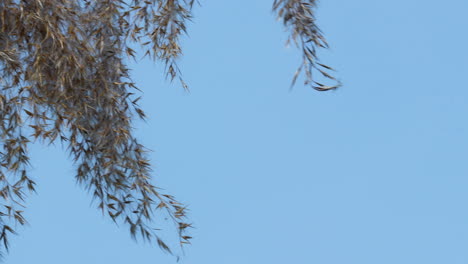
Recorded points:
(375, 172)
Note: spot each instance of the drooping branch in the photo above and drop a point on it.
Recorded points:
(63, 70)
(64, 77)
(298, 17)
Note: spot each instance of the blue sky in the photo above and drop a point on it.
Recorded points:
(374, 172)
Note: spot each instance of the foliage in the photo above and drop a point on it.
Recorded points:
(63, 76)
(298, 16)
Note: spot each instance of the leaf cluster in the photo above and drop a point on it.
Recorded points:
(64, 77)
(298, 16)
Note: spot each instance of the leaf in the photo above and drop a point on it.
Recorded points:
(163, 245)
